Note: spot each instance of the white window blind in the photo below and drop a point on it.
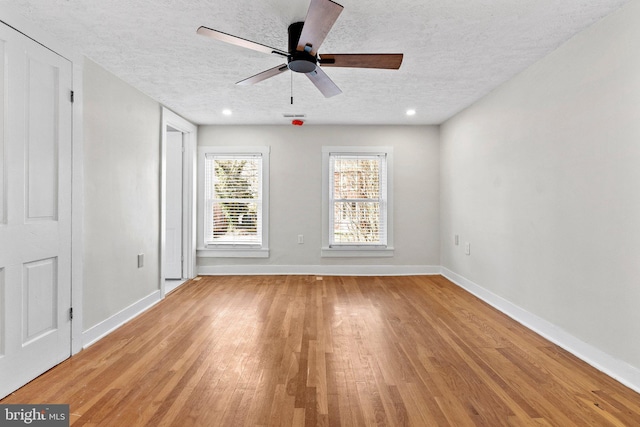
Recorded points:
(233, 199)
(357, 199)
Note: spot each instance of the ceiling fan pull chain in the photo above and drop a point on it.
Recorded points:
(291, 88)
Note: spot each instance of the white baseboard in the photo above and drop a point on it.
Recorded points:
(615, 368)
(95, 333)
(320, 270)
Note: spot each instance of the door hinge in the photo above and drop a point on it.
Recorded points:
(71, 313)
(71, 96)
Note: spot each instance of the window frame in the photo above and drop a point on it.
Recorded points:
(231, 250)
(356, 250)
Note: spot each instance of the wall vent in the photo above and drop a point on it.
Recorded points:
(293, 116)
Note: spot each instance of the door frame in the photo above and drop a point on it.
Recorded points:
(190, 141)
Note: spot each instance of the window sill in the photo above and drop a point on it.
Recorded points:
(232, 253)
(351, 252)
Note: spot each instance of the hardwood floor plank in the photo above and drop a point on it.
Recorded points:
(341, 351)
(421, 411)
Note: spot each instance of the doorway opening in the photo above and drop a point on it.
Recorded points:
(179, 140)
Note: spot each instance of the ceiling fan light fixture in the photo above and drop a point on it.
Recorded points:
(303, 65)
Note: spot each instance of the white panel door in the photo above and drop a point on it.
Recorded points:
(35, 209)
(173, 246)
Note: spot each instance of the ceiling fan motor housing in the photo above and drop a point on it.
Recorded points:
(300, 62)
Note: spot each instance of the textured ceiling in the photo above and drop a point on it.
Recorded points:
(456, 51)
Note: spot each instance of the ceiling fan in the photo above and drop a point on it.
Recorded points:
(305, 39)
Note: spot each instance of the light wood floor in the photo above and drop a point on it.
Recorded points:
(342, 351)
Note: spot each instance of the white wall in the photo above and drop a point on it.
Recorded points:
(542, 177)
(296, 198)
(121, 194)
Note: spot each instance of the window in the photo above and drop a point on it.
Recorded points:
(234, 202)
(356, 201)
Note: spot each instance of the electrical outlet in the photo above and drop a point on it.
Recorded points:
(300, 239)
(467, 248)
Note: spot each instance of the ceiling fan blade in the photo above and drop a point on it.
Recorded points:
(391, 61)
(323, 83)
(239, 41)
(264, 75)
(321, 16)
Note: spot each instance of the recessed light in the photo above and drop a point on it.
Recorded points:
(226, 112)
(411, 112)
